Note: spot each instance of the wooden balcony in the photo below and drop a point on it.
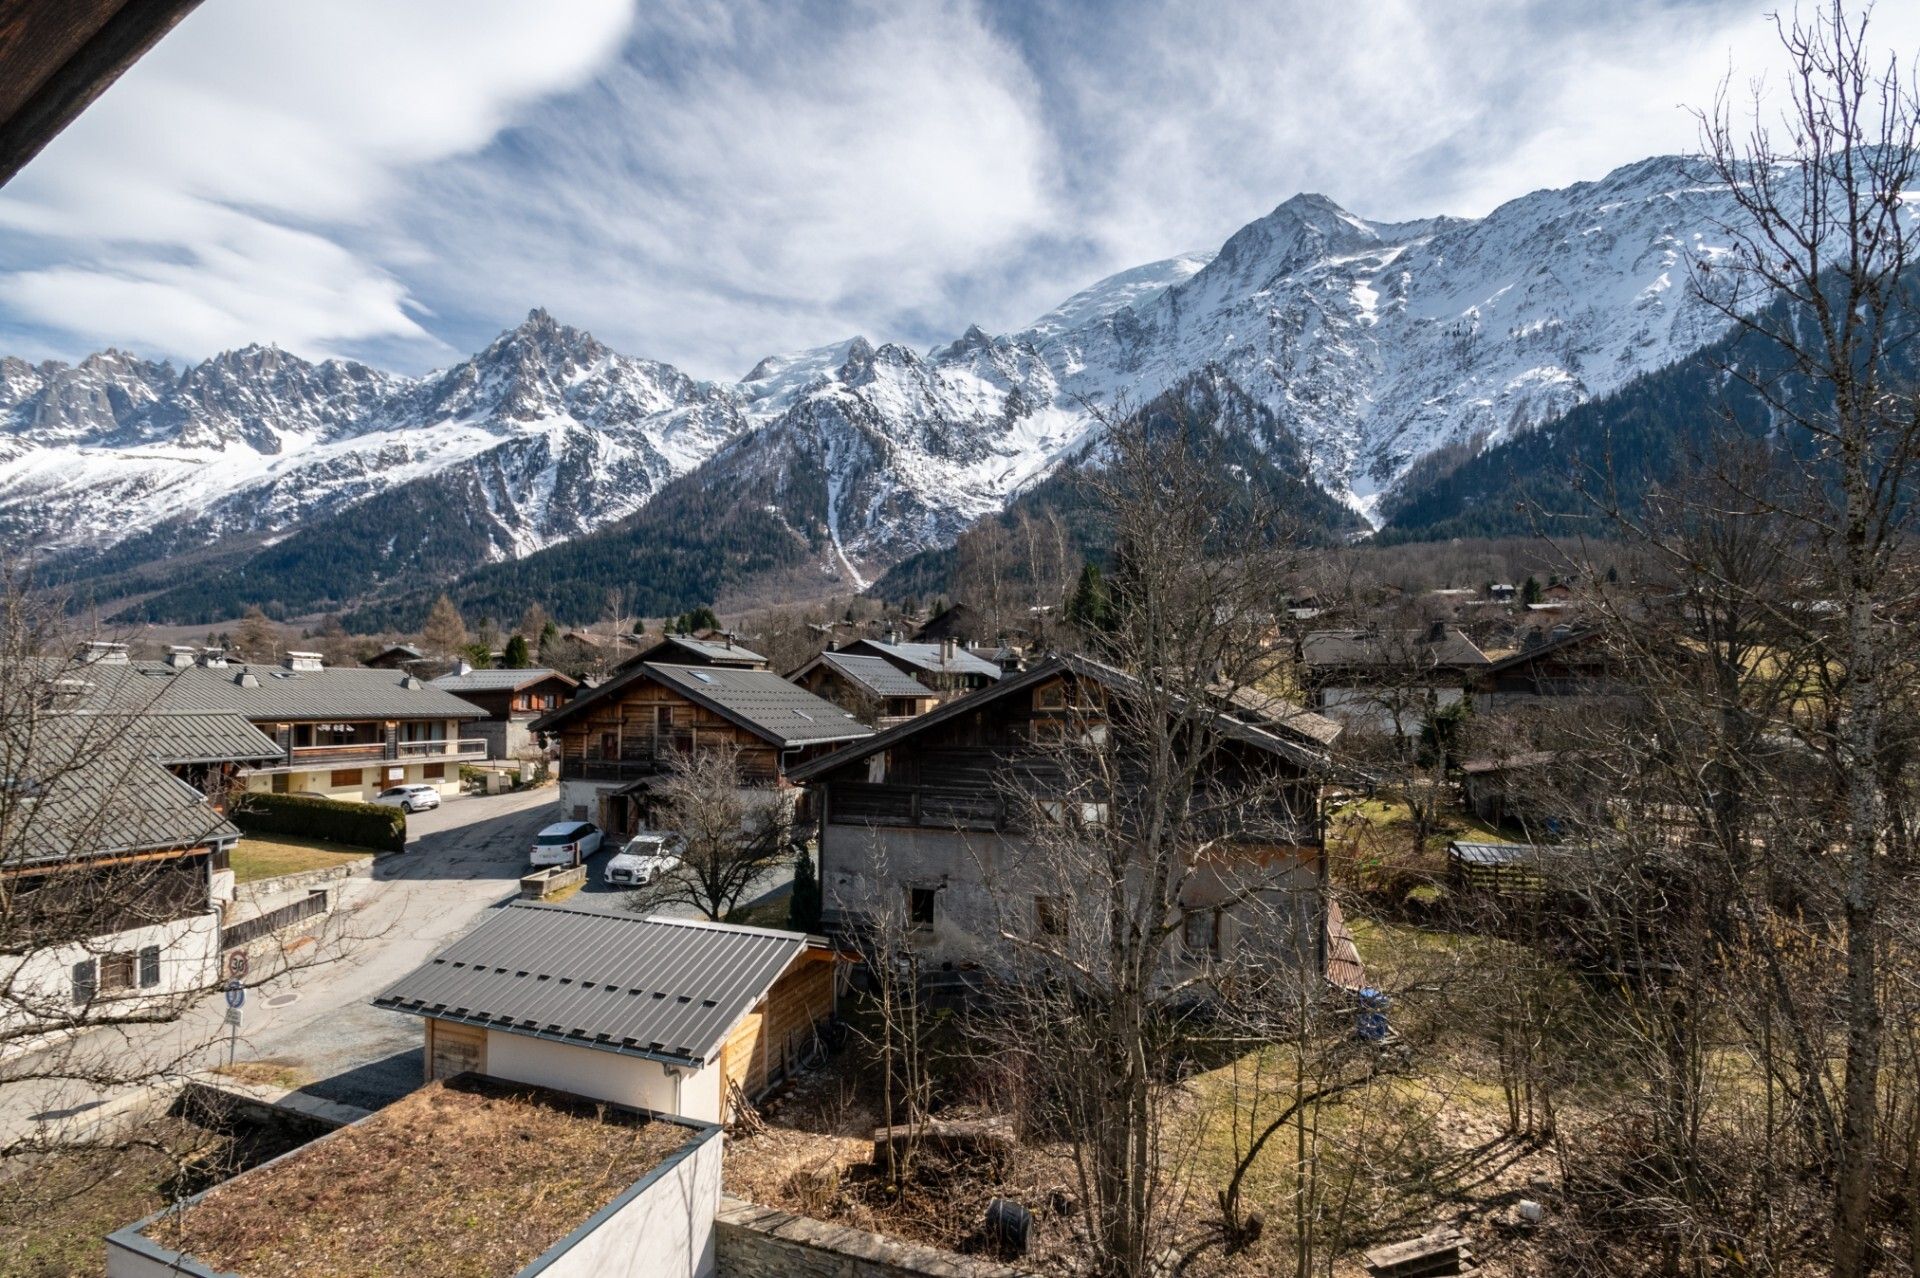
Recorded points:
(954, 808)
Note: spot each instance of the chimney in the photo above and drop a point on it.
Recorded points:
(304, 661)
(1437, 632)
(214, 658)
(246, 679)
(464, 668)
(947, 651)
(411, 683)
(179, 657)
(103, 652)
(892, 633)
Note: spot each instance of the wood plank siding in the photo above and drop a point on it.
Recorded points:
(636, 734)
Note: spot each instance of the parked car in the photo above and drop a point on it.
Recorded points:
(566, 843)
(412, 798)
(645, 858)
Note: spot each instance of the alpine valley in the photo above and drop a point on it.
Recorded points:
(1367, 359)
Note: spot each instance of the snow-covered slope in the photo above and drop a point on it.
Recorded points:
(564, 433)
(1373, 345)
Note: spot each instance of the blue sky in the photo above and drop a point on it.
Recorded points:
(709, 183)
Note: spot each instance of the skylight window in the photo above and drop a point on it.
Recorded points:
(804, 715)
(702, 676)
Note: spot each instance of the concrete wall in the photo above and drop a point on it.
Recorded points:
(665, 1230)
(981, 888)
(610, 1076)
(759, 1242)
(40, 984)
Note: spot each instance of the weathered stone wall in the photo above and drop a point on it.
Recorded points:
(760, 1242)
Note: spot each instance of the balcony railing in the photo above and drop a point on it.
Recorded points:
(387, 751)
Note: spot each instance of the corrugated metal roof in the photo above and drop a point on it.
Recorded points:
(662, 988)
(931, 657)
(497, 680)
(336, 692)
(877, 675)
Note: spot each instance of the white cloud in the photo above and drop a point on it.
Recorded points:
(749, 178)
(202, 201)
(772, 181)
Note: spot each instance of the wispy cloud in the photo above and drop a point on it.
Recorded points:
(210, 198)
(708, 184)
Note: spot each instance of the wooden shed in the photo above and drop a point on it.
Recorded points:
(666, 1014)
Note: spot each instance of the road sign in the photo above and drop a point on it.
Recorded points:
(233, 1019)
(236, 995)
(237, 964)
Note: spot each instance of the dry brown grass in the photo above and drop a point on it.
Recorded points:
(472, 1179)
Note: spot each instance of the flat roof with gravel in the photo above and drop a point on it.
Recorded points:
(467, 1178)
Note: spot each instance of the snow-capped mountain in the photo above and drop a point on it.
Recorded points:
(561, 433)
(1372, 345)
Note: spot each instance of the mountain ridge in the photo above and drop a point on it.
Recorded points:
(1381, 349)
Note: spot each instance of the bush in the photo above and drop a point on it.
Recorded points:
(366, 825)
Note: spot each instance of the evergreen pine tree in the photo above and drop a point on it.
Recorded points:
(803, 907)
(1530, 591)
(516, 656)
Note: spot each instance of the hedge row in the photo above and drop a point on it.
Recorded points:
(367, 825)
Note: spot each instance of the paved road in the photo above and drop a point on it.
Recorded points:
(461, 859)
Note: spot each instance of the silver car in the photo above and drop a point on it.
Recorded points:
(645, 858)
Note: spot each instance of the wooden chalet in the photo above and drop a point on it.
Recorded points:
(617, 739)
(932, 815)
(1552, 665)
(946, 667)
(869, 688)
(512, 700)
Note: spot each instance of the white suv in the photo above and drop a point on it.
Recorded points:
(566, 843)
(411, 798)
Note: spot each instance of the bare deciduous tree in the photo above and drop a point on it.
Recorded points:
(731, 834)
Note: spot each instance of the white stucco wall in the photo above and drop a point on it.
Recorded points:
(609, 1076)
(43, 980)
(666, 1231)
(374, 777)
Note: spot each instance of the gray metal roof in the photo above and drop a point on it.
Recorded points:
(876, 674)
(930, 657)
(496, 680)
(763, 703)
(83, 785)
(1497, 854)
(666, 989)
(758, 700)
(263, 692)
(1271, 711)
(1449, 647)
(1120, 682)
(681, 648)
(201, 738)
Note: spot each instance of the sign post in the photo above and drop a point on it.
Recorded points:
(236, 999)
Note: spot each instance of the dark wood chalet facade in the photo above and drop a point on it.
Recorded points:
(616, 739)
(937, 814)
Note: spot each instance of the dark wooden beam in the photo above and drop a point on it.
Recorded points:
(57, 56)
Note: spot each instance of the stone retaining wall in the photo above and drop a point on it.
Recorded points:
(760, 1242)
(261, 891)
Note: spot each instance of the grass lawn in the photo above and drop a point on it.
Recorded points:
(257, 857)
